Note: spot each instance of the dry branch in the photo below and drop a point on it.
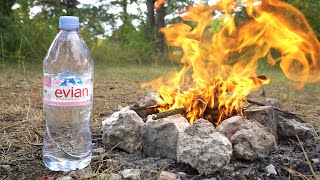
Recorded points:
(145, 111)
(308, 160)
(142, 108)
(168, 113)
(35, 131)
(286, 112)
(35, 144)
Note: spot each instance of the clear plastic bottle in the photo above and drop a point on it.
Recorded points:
(68, 94)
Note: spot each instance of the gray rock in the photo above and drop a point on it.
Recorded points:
(6, 168)
(98, 151)
(252, 141)
(272, 102)
(165, 175)
(119, 107)
(206, 152)
(64, 178)
(200, 128)
(229, 167)
(271, 170)
(230, 126)
(112, 176)
(104, 176)
(152, 174)
(160, 136)
(89, 175)
(122, 129)
(266, 116)
(112, 163)
(181, 175)
(289, 128)
(85, 173)
(96, 158)
(131, 174)
(150, 100)
(77, 173)
(98, 154)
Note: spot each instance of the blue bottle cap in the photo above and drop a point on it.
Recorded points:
(69, 23)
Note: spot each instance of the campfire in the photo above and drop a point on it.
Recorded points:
(220, 56)
(196, 115)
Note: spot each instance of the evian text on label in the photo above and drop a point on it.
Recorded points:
(62, 93)
(67, 91)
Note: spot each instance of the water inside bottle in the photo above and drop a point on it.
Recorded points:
(67, 143)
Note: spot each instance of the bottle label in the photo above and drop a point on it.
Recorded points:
(67, 90)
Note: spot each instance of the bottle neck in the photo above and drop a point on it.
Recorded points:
(68, 35)
(69, 30)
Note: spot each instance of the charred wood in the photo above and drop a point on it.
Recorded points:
(169, 113)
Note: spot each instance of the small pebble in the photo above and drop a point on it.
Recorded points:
(133, 174)
(271, 170)
(98, 151)
(65, 178)
(315, 160)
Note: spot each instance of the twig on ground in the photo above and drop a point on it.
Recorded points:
(16, 124)
(35, 144)
(35, 131)
(105, 154)
(317, 177)
(296, 173)
(113, 148)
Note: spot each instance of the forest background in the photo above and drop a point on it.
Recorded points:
(118, 32)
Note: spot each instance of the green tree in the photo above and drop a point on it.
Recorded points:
(311, 10)
(156, 19)
(36, 31)
(8, 40)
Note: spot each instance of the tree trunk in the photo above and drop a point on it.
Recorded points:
(124, 17)
(71, 6)
(150, 20)
(161, 23)
(6, 7)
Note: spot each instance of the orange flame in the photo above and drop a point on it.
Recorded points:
(219, 64)
(158, 4)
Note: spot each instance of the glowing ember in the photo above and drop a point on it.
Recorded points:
(220, 63)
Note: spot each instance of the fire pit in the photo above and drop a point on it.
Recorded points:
(262, 135)
(200, 116)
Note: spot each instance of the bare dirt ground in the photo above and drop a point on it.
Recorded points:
(22, 121)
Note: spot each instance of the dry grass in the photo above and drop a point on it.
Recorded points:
(315, 176)
(21, 114)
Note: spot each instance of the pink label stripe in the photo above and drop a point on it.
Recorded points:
(54, 103)
(47, 81)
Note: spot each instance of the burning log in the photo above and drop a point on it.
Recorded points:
(168, 113)
(143, 108)
(145, 111)
(199, 105)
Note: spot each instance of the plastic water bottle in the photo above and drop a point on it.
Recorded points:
(68, 94)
